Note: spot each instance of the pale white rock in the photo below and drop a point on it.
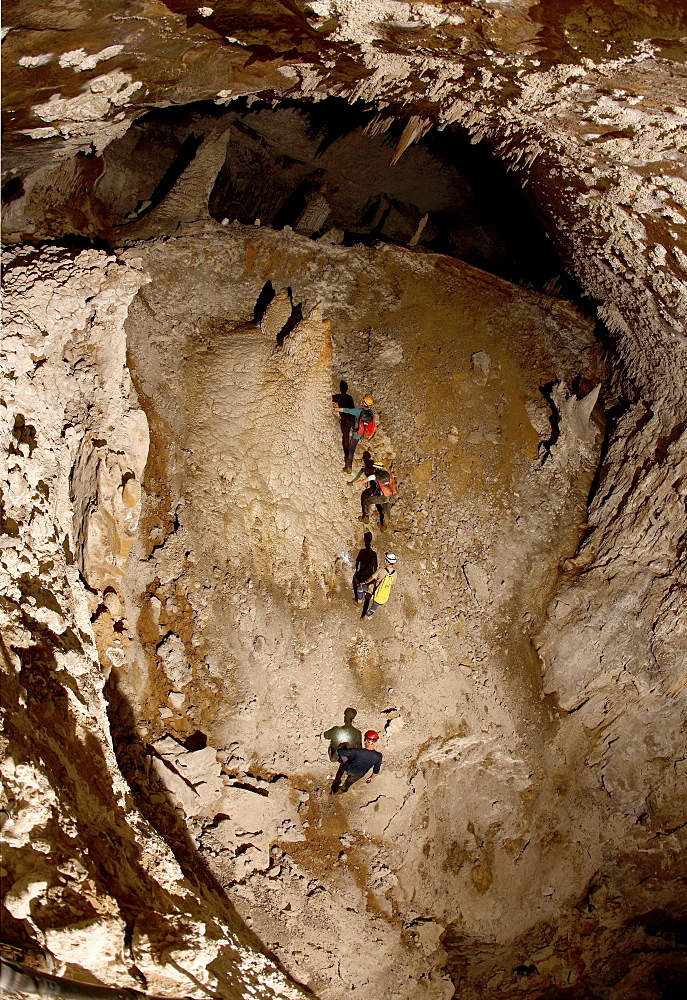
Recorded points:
(29, 62)
(90, 942)
(171, 556)
(481, 363)
(113, 603)
(34, 798)
(103, 94)
(180, 791)
(251, 860)
(539, 414)
(193, 778)
(478, 579)
(116, 656)
(428, 933)
(277, 313)
(175, 663)
(79, 61)
(254, 816)
(21, 895)
(394, 725)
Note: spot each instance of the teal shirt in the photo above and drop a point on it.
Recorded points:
(355, 411)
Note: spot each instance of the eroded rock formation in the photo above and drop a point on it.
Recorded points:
(178, 539)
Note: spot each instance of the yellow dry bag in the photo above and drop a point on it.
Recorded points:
(381, 594)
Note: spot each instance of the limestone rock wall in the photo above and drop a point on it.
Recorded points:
(75, 438)
(195, 634)
(589, 113)
(588, 110)
(86, 881)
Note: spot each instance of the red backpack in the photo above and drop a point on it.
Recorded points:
(386, 482)
(366, 424)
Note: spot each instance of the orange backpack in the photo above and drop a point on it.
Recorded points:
(386, 482)
(366, 424)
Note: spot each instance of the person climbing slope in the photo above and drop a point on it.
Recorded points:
(366, 469)
(344, 399)
(358, 762)
(364, 427)
(381, 491)
(383, 585)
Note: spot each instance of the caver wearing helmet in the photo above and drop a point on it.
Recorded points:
(385, 578)
(364, 427)
(358, 762)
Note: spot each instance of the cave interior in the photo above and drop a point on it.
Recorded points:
(187, 295)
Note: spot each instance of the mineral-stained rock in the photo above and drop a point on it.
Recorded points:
(174, 660)
(75, 846)
(173, 516)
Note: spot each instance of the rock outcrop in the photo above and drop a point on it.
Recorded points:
(87, 879)
(177, 540)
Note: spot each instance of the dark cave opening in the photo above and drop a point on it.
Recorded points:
(325, 170)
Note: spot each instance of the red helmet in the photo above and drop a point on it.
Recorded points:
(371, 736)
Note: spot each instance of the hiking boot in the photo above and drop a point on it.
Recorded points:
(347, 468)
(364, 518)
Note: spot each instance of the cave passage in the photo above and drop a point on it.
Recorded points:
(325, 170)
(206, 237)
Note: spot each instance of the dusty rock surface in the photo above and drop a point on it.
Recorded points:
(88, 885)
(227, 658)
(177, 538)
(453, 553)
(475, 752)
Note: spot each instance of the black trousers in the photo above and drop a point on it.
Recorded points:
(336, 784)
(351, 780)
(369, 498)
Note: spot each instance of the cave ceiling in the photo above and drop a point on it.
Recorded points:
(439, 60)
(584, 105)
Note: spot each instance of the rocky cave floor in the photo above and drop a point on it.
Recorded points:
(214, 216)
(242, 644)
(231, 641)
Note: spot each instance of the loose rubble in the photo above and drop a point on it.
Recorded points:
(177, 541)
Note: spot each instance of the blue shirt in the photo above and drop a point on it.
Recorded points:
(359, 762)
(355, 411)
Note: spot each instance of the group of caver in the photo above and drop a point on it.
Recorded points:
(355, 759)
(371, 585)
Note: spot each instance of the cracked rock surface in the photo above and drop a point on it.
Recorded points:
(178, 539)
(88, 885)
